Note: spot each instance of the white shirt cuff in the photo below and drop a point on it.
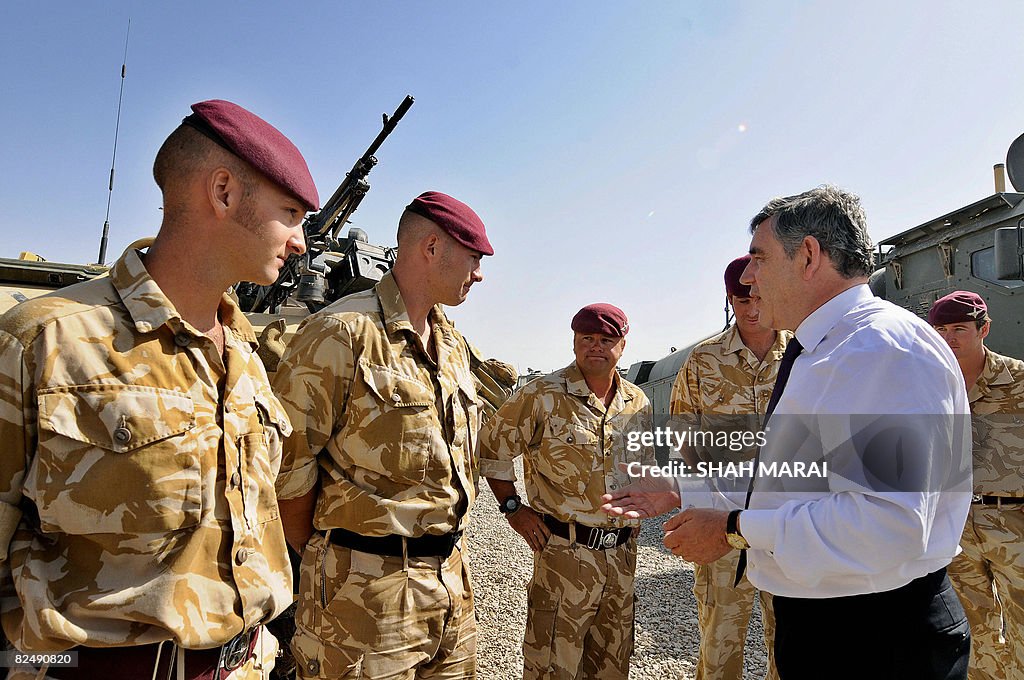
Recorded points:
(758, 527)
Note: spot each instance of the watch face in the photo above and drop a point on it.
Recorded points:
(510, 504)
(737, 541)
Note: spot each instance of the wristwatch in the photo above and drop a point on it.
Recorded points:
(510, 504)
(732, 531)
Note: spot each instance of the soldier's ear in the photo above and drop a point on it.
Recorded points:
(223, 191)
(431, 246)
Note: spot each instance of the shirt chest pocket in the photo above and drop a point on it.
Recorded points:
(115, 459)
(395, 424)
(260, 460)
(466, 415)
(569, 451)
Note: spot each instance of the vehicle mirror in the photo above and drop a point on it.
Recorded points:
(1009, 253)
(1015, 163)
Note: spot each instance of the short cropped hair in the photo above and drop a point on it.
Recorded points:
(831, 215)
(187, 151)
(413, 227)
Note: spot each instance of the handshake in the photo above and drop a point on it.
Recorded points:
(695, 534)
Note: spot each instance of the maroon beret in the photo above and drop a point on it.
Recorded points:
(455, 217)
(602, 318)
(732, 277)
(960, 306)
(259, 143)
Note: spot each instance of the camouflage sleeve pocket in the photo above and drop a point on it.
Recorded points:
(115, 459)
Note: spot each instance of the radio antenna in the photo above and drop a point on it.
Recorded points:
(117, 126)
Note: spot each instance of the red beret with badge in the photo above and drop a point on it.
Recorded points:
(960, 306)
(602, 318)
(732, 277)
(259, 143)
(455, 217)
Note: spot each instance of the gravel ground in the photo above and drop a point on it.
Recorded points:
(666, 618)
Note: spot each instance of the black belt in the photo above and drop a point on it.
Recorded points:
(997, 500)
(428, 545)
(595, 538)
(139, 661)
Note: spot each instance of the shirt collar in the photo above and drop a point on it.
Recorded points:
(818, 323)
(396, 318)
(994, 373)
(779, 346)
(150, 309)
(396, 314)
(576, 384)
(733, 341)
(734, 345)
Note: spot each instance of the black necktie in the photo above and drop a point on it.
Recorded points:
(793, 349)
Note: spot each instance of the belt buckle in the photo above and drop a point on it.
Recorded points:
(602, 539)
(235, 651)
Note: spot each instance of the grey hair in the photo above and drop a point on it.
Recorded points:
(833, 216)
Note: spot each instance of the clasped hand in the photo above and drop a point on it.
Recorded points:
(695, 534)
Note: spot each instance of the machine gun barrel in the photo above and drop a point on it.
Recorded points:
(328, 220)
(336, 212)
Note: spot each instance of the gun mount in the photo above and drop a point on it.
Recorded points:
(331, 268)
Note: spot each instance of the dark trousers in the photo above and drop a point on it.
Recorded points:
(916, 632)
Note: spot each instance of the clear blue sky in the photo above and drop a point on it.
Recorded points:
(616, 150)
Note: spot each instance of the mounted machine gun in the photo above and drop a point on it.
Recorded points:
(330, 268)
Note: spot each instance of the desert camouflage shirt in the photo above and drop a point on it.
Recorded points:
(722, 377)
(136, 472)
(724, 388)
(997, 418)
(571, 444)
(387, 433)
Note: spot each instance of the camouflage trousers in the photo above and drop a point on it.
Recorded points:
(371, 616)
(579, 619)
(723, 612)
(989, 578)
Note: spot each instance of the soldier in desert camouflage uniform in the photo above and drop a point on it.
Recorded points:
(571, 428)
(993, 539)
(380, 472)
(729, 375)
(139, 438)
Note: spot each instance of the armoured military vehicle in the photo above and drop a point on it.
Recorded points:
(978, 247)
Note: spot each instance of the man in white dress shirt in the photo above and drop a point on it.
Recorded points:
(855, 560)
